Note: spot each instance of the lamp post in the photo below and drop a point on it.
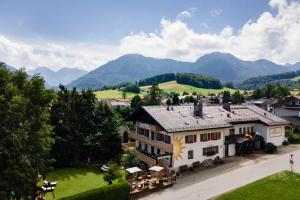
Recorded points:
(291, 161)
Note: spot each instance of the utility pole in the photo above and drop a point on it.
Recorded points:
(291, 161)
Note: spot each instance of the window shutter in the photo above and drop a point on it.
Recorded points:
(195, 138)
(186, 139)
(208, 136)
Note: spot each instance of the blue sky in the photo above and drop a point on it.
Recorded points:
(88, 33)
(109, 21)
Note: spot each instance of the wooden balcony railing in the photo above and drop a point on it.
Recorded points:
(154, 143)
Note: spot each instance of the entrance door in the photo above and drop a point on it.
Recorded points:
(226, 150)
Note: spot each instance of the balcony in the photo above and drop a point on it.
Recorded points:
(154, 143)
(140, 155)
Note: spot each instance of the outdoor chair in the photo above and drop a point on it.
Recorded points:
(196, 164)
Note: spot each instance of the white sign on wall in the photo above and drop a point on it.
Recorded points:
(275, 132)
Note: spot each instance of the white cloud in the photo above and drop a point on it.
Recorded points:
(184, 14)
(55, 54)
(270, 37)
(215, 12)
(274, 37)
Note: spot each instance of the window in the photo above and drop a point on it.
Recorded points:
(244, 130)
(190, 154)
(167, 139)
(209, 151)
(146, 133)
(252, 129)
(158, 137)
(140, 131)
(152, 150)
(240, 130)
(215, 136)
(146, 147)
(190, 139)
(158, 151)
(152, 135)
(140, 145)
(232, 131)
(203, 137)
(248, 129)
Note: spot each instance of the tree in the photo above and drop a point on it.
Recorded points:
(25, 132)
(175, 99)
(229, 85)
(226, 97)
(105, 144)
(237, 98)
(72, 116)
(136, 102)
(130, 159)
(185, 93)
(214, 100)
(112, 174)
(132, 88)
(124, 95)
(154, 96)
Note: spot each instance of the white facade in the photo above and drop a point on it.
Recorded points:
(180, 154)
(196, 147)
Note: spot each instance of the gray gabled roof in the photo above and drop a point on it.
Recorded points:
(182, 118)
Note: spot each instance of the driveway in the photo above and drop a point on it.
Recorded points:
(209, 183)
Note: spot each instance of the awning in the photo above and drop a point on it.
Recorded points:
(156, 168)
(133, 170)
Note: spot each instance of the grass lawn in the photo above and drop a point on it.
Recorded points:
(74, 181)
(168, 87)
(295, 78)
(112, 94)
(284, 185)
(173, 86)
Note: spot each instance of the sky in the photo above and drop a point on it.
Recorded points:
(88, 33)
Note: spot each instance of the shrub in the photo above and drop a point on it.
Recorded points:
(285, 142)
(270, 147)
(293, 138)
(116, 191)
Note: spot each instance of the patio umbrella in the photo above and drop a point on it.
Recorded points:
(133, 170)
(156, 169)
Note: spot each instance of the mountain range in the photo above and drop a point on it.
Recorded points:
(134, 67)
(54, 78)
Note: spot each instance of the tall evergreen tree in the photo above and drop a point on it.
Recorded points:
(106, 142)
(136, 102)
(226, 97)
(25, 132)
(73, 118)
(154, 96)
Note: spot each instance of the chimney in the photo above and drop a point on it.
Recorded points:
(198, 108)
(226, 106)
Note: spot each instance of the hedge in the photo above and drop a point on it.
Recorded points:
(116, 191)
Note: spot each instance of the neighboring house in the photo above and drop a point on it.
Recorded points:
(289, 109)
(120, 103)
(180, 136)
(266, 104)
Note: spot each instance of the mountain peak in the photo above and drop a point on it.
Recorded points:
(217, 55)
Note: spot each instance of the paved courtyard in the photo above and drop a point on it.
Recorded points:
(238, 171)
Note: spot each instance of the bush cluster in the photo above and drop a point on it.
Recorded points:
(270, 147)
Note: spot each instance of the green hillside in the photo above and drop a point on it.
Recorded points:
(297, 78)
(168, 87)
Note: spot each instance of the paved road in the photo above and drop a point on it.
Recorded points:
(203, 186)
